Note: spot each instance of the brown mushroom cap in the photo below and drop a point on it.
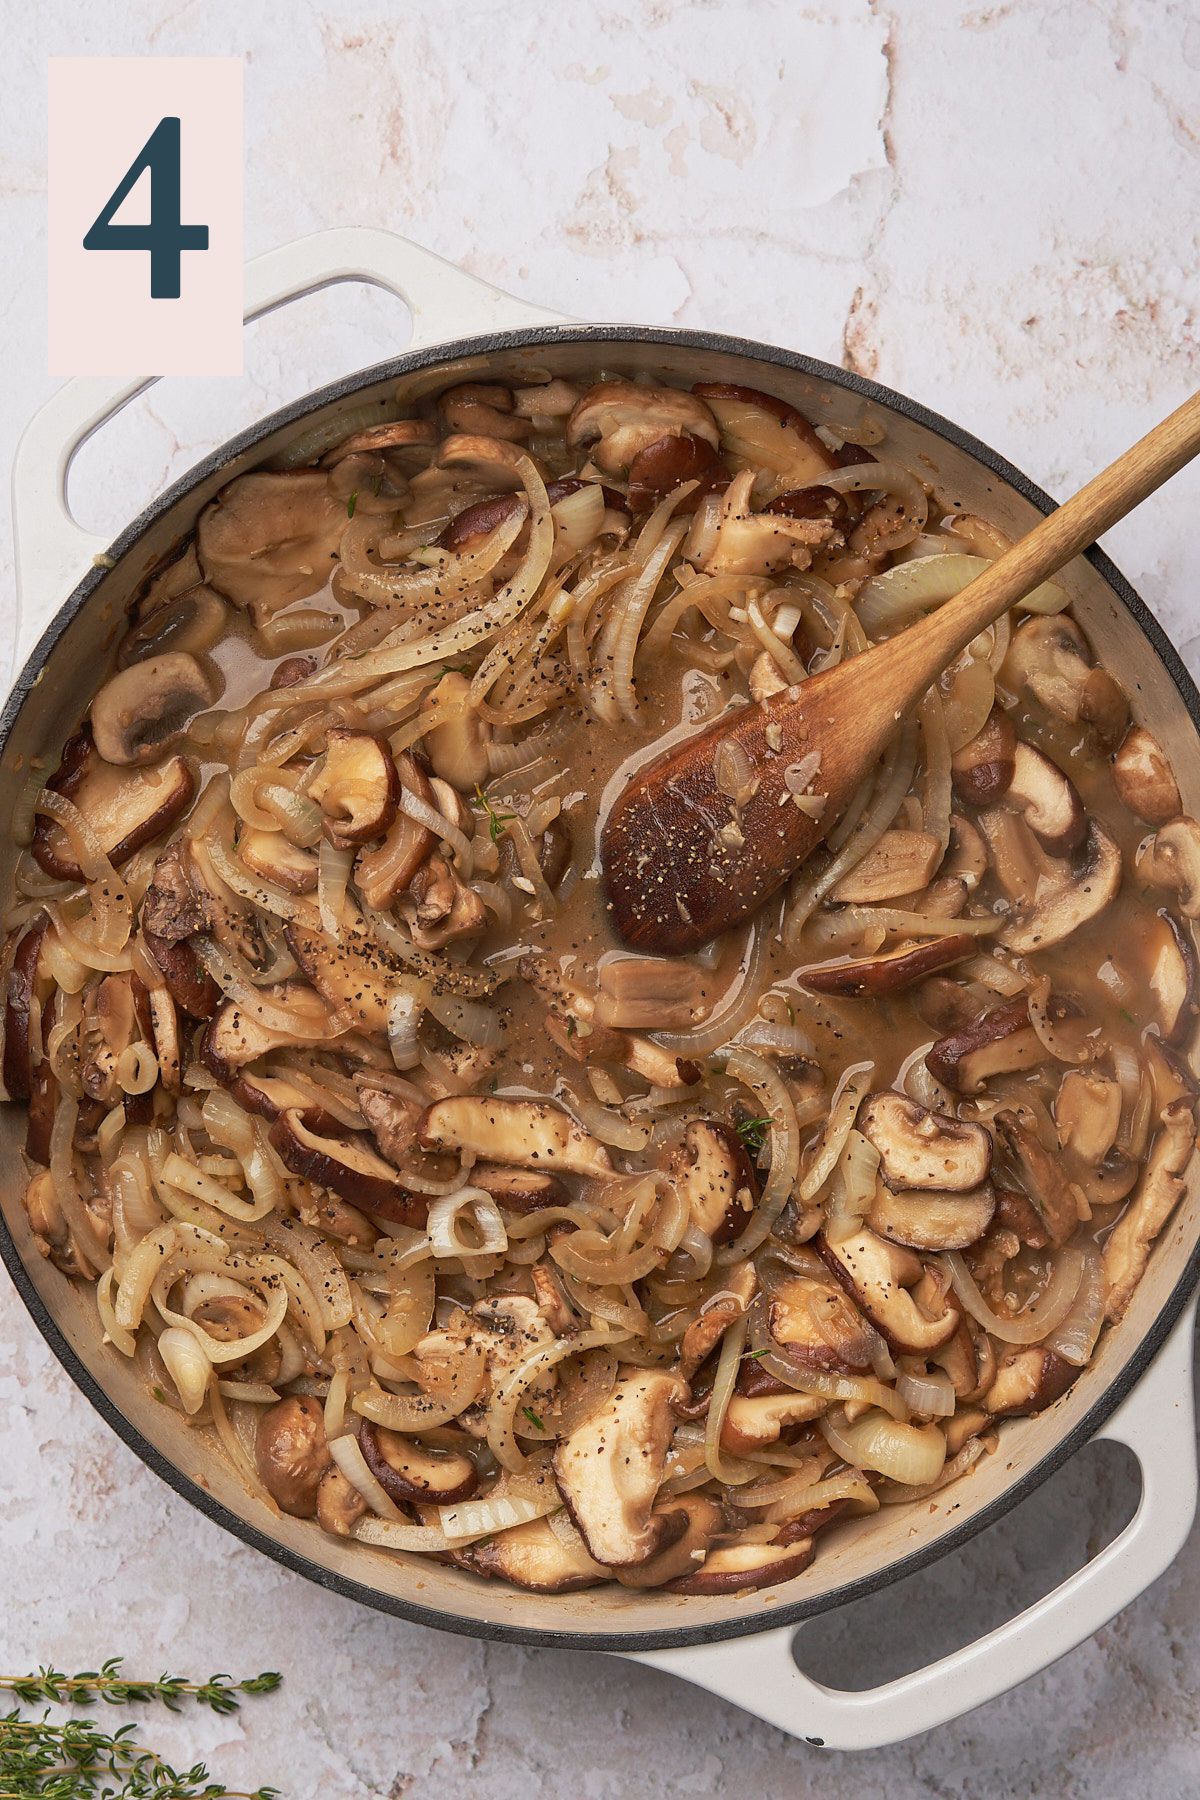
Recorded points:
(1172, 860)
(1143, 778)
(347, 1167)
(408, 1471)
(1089, 883)
(664, 465)
(617, 419)
(753, 1421)
(889, 971)
(767, 431)
(127, 808)
(1027, 1380)
(339, 1503)
(383, 873)
(997, 1043)
(484, 409)
(533, 1557)
(292, 1453)
(1042, 1177)
(610, 1468)
(706, 1519)
(1051, 659)
(983, 768)
(735, 1568)
(1049, 800)
(919, 1148)
(146, 706)
(817, 1326)
(357, 789)
(268, 538)
(233, 1038)
(711, 1170)
(19, 999)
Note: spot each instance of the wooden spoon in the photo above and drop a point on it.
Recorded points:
(679, 867)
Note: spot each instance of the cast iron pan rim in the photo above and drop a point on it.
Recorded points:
(765, 1617)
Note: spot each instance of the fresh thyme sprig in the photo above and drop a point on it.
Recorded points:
(78, 1760)
(497, 821)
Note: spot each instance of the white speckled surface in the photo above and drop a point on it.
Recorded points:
(992, 208)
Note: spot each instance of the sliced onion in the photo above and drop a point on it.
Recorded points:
(740, 1005)
(347, 1454)
(968, 1456)
(801, 1494)
(333, 878)
(901, 593)
(776, 1103)
(503, 1508)
(603, 1123)
(854, 1084)
(446, 1214)
(1075, 1338)
(1032, 1325)
(912, 1454)
(931, 1395)
(469, 1020)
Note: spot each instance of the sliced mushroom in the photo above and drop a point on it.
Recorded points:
(146, 706)
(1023, 869)
(723, 1306)
(483, 409)
(352, 973)
(276, 858)
(292, 1453)
(440, 908)
(1050, 658)
(983, 768)
(997, 1043)
(615, 420)
(752, 1421)
(392, 1118)
(267, 1096)
(1171, 1077)
(931, 1220)
(1143, 778)
(1173, 977)
(1087, 1113)
(1048, 799)
(172, 911)
(383, 873)
(1027, 1380)
(755, 543)
(126, 808)
(889, 971)
(923, 1149)
(348, 1167)
(269, 538)
(458, 750)
(610, 1468)
(967, 1422)
(767, 432)
(44, 1095)
(706, 1520)
(880, 1275)
(1172, 860)
(818, 1327)
(357, 789)
(1089, 883)
(736, 1568)
(1158, 1193)
(185, 616)
(491, 461)
(555, 850)
(711, 1170)
(1042, 1178)
(900, 863)
(530, 1133)
(666, 464)
(109, 1025)
(534, 1557)
(393, 434)
(233, 1037)
(967, 858)
(649, 993)
(339, 1503)
(518, 1190)
(409, 1472)
(20, 998)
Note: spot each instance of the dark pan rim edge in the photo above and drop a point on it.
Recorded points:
(770, 1617)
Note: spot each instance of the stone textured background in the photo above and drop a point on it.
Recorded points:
(992, 208)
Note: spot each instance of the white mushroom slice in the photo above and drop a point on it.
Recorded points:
(753, 1421)
(610, 1469)
(276, 858)
(554, 399)
(616, 419)
(292, 1453)
(534, 1557)
(755, 543)
(900, 863)
(649, 993)
(108, 1027)
(879, 1276)
(483, 409)
(339, 1504)
(1158, 1193)
(716, 1315)
(1172, 860)
(1172, 977)
(1089, 883)
(491, 461)
(999, 1042)
(1143, 779)
(818, 1327)
(735, 1568)
(711, 1170)
(234, 1037)
(983, 767)
(125, 807)
(706, 1520)
(458, 750)
(141, 709)
(1050, 658)
(530, 1133)
(1023, 869)
(269, 538)
(932, 1220)
(441, 909)
(923, 1149)
(1027, 1381)
(1087, 1113)
(767, 432)
(1042, 1177)
(1048, 799)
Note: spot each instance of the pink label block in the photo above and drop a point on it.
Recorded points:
(103, 321)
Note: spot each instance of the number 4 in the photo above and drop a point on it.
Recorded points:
(164, 237)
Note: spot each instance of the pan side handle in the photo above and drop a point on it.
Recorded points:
(53, 553)
(760, 1675)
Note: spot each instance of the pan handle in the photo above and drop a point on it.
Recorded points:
(759, 1673)
(53, 553)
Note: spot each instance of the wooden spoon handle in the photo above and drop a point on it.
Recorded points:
(1058, 537)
